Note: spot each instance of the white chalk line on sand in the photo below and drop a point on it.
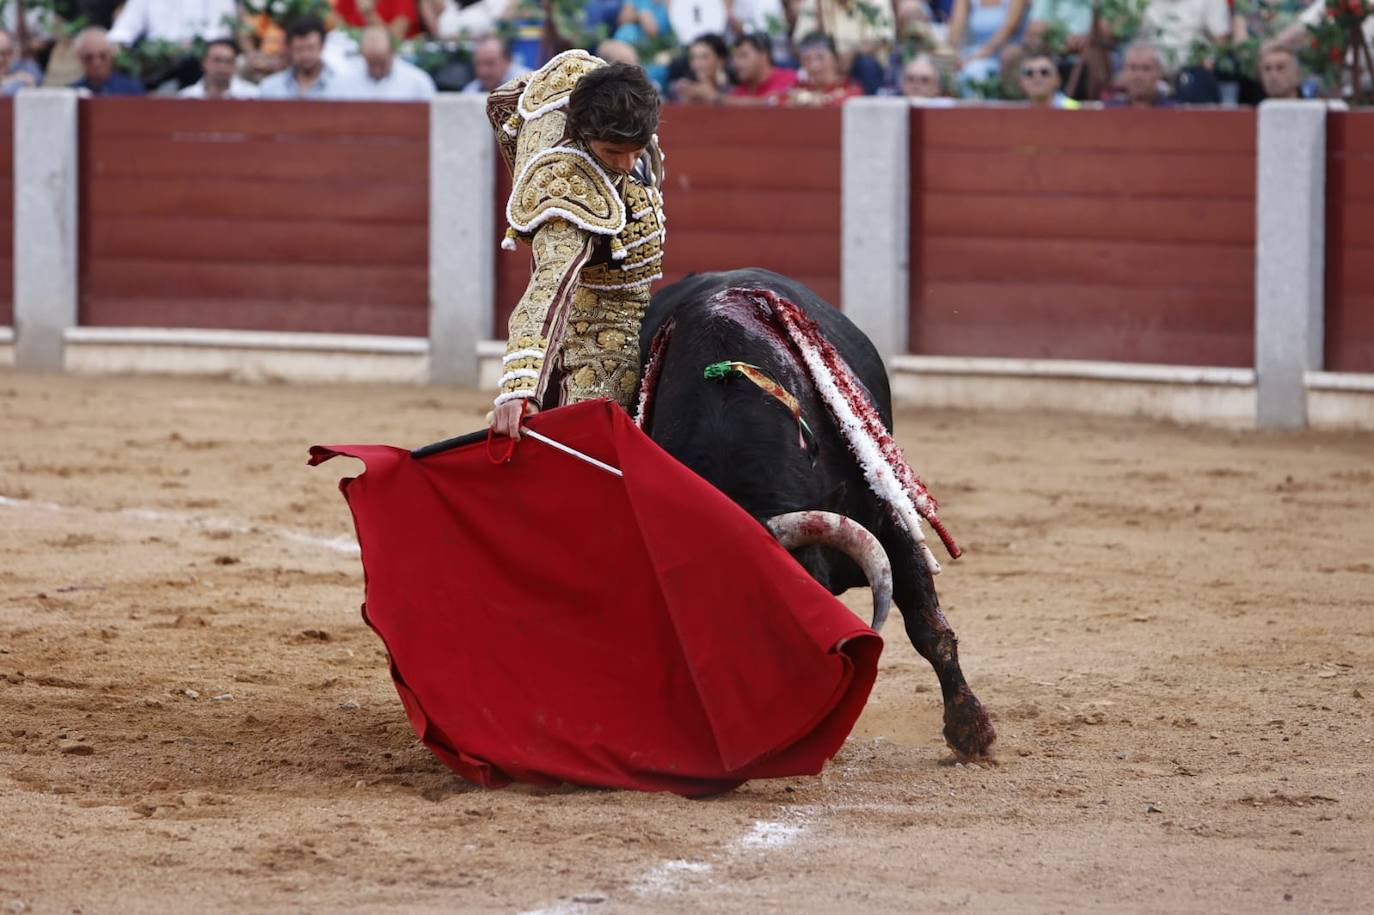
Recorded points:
(680, 875)
(343, 543)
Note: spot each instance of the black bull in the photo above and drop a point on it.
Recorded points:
(746, 444)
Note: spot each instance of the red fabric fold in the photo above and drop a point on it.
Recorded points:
(551, 622)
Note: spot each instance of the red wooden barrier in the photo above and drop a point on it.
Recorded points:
(1349, 241)
(1113, 235)
(745, 188)
(6, 212)
(281, 216)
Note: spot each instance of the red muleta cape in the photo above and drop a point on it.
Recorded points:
(549, 622)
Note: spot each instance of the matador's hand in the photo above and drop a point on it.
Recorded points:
(505, 419)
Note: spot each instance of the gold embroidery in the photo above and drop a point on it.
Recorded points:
(600, 352)
(559, 249)
(563, 182)
(554, 82)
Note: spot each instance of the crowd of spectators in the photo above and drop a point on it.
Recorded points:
(1053, 53)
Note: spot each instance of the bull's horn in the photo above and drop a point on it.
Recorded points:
(795, 530)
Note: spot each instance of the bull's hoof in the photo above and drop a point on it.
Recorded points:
(968, 730)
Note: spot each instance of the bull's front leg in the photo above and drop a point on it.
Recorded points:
(968, 730)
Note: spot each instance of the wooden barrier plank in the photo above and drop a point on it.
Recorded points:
(1066, 320)
(722, 250)
(255, 241)
(236, 198)
(1354, 176)
(1350, 333)
(1133, 130)
(129, 278)
(255, 314)
(6, 212)
(802, 211)
(776, 169)
(1161, 346)
(760, 129)
(1155, 174)
(1054, 305)
(1045, 216)
(1349, 326)
(256, 157)
(1130, 264)
(336, 122)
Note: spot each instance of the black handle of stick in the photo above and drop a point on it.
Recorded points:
(449, 444)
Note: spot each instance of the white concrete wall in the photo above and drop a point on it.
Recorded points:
(875, 219)
(462, 235)
(45, 226)
(1290, 257)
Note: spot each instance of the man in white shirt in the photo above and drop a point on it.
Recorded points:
(218, 79)
(177, 21)
(308, 76)
(693, 18)
(384, 77)
(492, 65)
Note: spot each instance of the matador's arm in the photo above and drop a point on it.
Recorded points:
(560, 251)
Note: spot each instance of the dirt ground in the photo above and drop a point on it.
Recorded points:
(1172, 628)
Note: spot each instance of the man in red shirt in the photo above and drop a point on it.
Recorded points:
(760, 83)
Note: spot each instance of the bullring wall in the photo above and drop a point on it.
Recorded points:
(1074, 240)
(1126, 236)
(1350, 242)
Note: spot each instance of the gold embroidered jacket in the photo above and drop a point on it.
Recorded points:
(597, 241)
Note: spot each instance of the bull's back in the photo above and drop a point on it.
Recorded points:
(684, 298)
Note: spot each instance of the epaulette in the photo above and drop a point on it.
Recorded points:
(565, 183)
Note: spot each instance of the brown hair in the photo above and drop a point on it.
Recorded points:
(614, 104)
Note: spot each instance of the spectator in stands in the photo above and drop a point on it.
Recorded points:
(492, 65)
(307, 76)
(218, 79)
(638, 21)
(176, 21)
(1280, 72)
(823, 83)
(707, 83)
(863, 32)
(760, 83)
(16, 71)
(1040, 81)
(921, 79)
(691, 19)
(266, 55)
(979, 30)
(1175, 27)
(96, 53)
(615, 51)
(1142, 77)
(455, 19)
(384, 77)
(400, 17)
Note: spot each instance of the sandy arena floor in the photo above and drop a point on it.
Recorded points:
(1173, 629)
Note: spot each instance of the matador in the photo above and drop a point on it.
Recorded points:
(579, 137)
